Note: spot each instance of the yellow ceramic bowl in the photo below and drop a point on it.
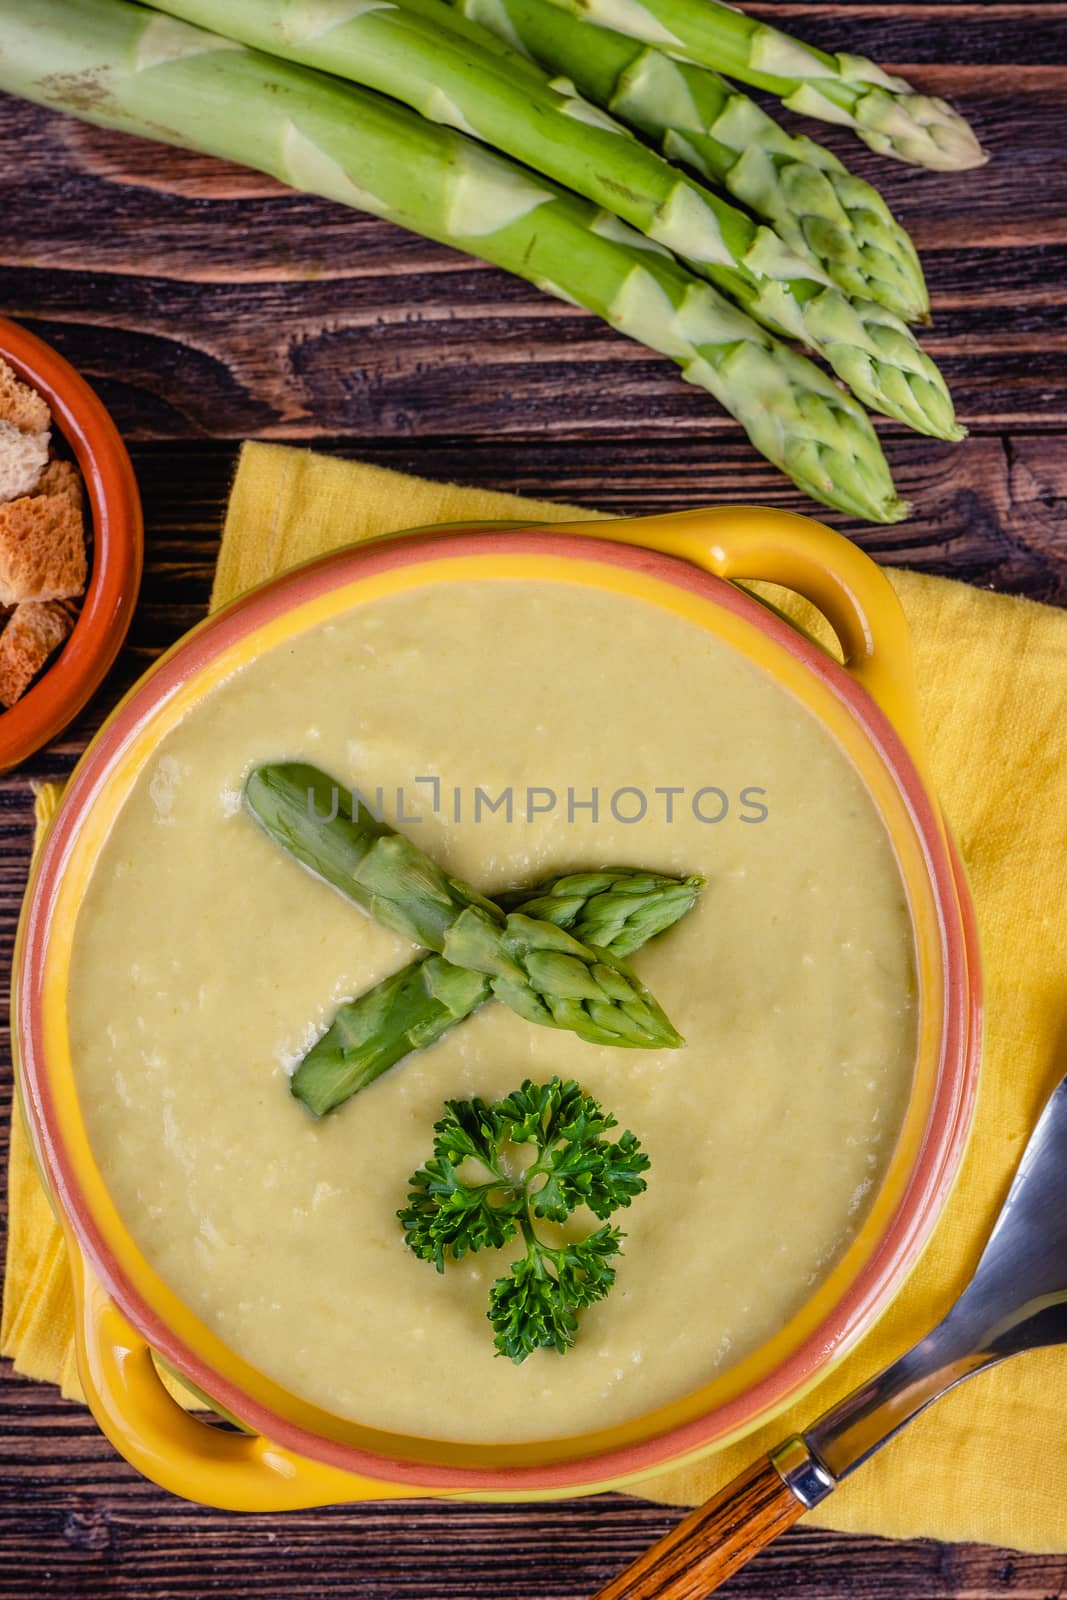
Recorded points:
(295, 1454)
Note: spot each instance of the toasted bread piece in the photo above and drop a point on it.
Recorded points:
(42, 549)
(32, 633)
(23, 458)
(20, 405)
(63, 478)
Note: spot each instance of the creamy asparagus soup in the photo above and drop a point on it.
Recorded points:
(207, 962)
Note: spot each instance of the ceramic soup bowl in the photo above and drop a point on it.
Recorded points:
(690, 565)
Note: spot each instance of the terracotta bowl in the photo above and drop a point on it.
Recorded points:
(117, 545)
(294, 1453)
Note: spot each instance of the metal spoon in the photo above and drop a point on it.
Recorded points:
(1016, 1300)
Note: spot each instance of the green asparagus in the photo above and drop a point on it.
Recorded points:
(884, 111)
(119, 65)
(694, 116)
(618, 911)
(448, 80)
(539, 970)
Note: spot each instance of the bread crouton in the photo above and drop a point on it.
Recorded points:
(42, 548)
(33, 632)
(62, 477)
(23, 458)
(20, 405)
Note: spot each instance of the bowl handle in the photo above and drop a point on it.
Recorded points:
(782, 547)
(189, 1457)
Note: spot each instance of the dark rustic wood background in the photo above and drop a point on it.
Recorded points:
(207, 306)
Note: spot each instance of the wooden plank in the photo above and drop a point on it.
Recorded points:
(1021, 110)
(908, 38)
(469, 350)
(994, 524)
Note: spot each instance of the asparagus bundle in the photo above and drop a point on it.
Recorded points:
(535, 967)
(125, 67)
(425, 65)
(617, 911)
(885, 111)
(814, 202)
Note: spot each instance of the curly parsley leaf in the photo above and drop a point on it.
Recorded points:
(536, 1306)
(448, 1214)
(475, 1194)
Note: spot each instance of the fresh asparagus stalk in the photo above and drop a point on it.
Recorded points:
(617, 911)
(542, 972)
(426, 66)
(813, 201)
(417, 58)
(119, 65)
(884, 111)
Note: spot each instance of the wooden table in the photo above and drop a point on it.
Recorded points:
(207, 305)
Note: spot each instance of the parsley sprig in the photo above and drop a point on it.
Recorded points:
(473, 1194)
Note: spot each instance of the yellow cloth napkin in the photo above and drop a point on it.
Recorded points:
(990, 1462)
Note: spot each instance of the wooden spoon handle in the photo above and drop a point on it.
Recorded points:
(712, 1542)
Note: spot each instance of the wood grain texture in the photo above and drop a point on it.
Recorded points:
(713, 1542)
(207, 304)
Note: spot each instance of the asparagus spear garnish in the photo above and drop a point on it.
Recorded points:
(542, 972)
(409, 1010)
(618, 911)
(426, 66)
(813, 201)
(884, 111)
(124, 67)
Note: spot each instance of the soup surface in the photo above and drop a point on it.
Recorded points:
(206, 962)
